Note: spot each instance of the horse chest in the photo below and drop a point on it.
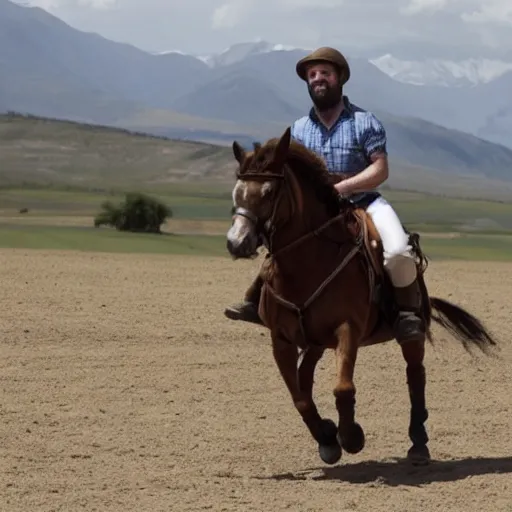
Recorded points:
(302, 325)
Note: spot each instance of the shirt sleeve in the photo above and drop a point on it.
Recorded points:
(374, 138)
(297, 130)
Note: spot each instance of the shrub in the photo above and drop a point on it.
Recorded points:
(138, 212)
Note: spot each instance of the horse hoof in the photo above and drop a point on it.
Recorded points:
(328, 447)
(329, 453)
(353, 439)
(418, 455)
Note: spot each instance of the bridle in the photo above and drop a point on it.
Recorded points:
(265, 230)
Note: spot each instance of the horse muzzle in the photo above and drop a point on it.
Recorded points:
(245, 248)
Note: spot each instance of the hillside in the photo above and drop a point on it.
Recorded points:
(423, 143)
(50, 152)
(45, 152)
(238, 97)
(497, 126)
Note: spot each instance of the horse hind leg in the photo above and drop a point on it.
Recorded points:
(351, 435)
(414, 354)
(299, 382)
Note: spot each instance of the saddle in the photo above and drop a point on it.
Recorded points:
(371, 239)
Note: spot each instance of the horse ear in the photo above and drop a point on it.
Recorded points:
(239, 152)
(282, 146)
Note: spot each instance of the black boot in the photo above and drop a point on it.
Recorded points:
(247, 310)
(409, 325)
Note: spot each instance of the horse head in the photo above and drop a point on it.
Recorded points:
(280, 184)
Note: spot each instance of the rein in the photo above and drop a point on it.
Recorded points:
(300, 310)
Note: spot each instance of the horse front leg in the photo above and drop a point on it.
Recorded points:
(414, 354)
(299, 382)
(351, 435)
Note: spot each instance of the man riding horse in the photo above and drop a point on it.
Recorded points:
(353, 143)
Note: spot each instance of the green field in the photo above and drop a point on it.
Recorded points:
(63, 219)
(201, 201)
(108, 240)
(469, 247)
(465, 247)
(187, 202)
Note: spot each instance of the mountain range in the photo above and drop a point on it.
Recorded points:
(450, 72)
(248, 92)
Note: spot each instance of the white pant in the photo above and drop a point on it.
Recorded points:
(398, 259)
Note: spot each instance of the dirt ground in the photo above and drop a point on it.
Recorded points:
(124, 388)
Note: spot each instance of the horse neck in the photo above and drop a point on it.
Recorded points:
(309, 214)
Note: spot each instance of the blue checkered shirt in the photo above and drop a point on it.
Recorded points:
(345, 147)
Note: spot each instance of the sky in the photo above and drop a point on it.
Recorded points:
(407, 28)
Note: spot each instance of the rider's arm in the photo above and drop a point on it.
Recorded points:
(373, 176)
(373, 140)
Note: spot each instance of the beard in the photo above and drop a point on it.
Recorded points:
(327, 98)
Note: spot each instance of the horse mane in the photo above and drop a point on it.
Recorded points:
(306, 164)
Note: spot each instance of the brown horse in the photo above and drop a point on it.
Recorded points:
(325, 287)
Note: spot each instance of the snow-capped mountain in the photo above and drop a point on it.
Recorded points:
(238, 52)
(442, 72)
(241, 51)
(449, 73)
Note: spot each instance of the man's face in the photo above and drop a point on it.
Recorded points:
(323, 85)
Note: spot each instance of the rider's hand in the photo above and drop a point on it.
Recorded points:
(342, 188)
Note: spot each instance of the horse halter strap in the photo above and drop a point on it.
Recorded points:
(260, 176)
(244, 212)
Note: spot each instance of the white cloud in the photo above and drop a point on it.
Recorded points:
(491, 11)
(418, 6)
(230, 14)
(98, 4)
(55, 4)
(233, 12)
(470, 11)
(405, 28)
(316, 4)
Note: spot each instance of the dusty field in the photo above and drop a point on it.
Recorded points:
(124, 388)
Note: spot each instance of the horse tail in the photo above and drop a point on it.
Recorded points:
(462, 325)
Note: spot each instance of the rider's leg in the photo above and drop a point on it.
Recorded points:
(247, 310)
(400, 265)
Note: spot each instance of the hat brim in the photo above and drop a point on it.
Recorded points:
(302, 65)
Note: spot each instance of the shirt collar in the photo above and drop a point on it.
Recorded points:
(347, 112)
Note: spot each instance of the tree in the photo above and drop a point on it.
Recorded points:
(138, 212)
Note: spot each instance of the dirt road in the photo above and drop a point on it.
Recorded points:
(124, 388)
